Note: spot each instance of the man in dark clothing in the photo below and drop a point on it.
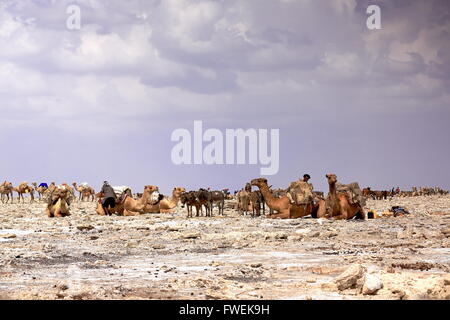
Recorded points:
(109, 197)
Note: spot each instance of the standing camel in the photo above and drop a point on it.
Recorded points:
(41, 190)
(86, 192)
(6, 189)
(22, 189)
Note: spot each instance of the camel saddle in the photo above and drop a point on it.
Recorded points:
(300, 193)
(353, 191)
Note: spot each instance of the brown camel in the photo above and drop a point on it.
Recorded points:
(40, 190)
(86, 192)
(6, 189)
(338, 203)
(287, 210)
(58, 203)
(164, 205)
(22, 189)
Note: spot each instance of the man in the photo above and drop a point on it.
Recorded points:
(109, 197)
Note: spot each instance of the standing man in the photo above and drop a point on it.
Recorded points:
(109, 198)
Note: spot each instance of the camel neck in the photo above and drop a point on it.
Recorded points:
(332, 187)
(266, 192)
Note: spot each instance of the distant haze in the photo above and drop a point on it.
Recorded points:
(100, 103)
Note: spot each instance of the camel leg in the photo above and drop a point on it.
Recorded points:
(128, 213)
(285, 214)
(321, 209)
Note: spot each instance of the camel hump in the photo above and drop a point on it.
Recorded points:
(300, 192)
(354, 192)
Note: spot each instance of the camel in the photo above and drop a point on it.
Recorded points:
(6, 188)
(165, 205)
(287, 210)
(339, 206)
(256, 201)
(24, 188)
(85, 191)
(41, 190)
(243, 198)
(129, 206)
(58, 203)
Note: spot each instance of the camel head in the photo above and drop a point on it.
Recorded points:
(259, 182)
(178, 191)
(7, 185)
(150, 189)
(332, 178)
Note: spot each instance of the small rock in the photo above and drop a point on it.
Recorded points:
(8, 236)
(349, 278)
(314, 234)
(372, 284)
(295, 238)
(193, 235)
(302, 231)
(85, 228)
(256, 265)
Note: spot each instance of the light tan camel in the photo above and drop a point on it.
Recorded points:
(58, 203)
(129, 206)
(86, 192)
(338, 203)
(243, 201)
(6, 189)
(286, 210)
(165, 205)
(22, 189)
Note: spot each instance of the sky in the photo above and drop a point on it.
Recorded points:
(100, 103)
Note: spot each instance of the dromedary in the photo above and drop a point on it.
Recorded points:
(22, 189)
(86, 192)
(287, 210)
(243, 201)
(339, 205)
(6, 189)
(165, 205)
(130, 206)
(58, 203)
(41, 190)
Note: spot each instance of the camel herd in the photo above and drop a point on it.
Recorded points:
(340, 203)
(415, 192)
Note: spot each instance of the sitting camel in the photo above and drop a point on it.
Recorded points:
(164, 204)
(22, 189)
(339, 205)
(58, 203)
(6, 189)
(286, 209)
(126, 205)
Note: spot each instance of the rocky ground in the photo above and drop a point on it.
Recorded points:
(166, 256)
